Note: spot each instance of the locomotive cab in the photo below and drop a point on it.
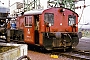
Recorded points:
(31, 32)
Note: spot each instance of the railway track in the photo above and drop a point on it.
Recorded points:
(74, 54)
(82, 52)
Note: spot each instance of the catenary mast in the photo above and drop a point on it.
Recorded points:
(31, 4)
(35, 4)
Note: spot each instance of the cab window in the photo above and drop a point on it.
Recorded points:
(71, 20)
(28, 21)
(49, 18)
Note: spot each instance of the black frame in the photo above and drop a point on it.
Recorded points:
(49, 18)
(71, 20)
(28, 21)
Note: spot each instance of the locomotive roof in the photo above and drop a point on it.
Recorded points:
(39, 11)
(34, 12)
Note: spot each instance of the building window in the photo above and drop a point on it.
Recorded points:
(28, 21)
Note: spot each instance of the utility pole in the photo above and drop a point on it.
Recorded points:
(9, 3)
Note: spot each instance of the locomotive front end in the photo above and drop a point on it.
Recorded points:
(60, 40)
(60, 28)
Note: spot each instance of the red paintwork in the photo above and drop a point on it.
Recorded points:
(29, 33)
(59, 18)
(20, 22)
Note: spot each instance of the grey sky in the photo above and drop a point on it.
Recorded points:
(85, 17)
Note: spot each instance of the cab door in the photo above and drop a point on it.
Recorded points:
(29, 29)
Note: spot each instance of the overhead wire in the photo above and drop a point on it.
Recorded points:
(82, 12)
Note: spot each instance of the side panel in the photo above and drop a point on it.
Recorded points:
(29, 30)
(40, 30)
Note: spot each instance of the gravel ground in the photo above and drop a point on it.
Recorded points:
(40, 56)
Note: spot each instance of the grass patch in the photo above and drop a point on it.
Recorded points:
(6, 48)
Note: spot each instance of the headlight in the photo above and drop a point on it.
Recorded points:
(3, 37)
(50, 24)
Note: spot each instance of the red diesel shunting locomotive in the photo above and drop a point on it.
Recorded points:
(53, 28)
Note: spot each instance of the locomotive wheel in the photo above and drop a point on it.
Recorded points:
(66, 41)
(75, 41)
